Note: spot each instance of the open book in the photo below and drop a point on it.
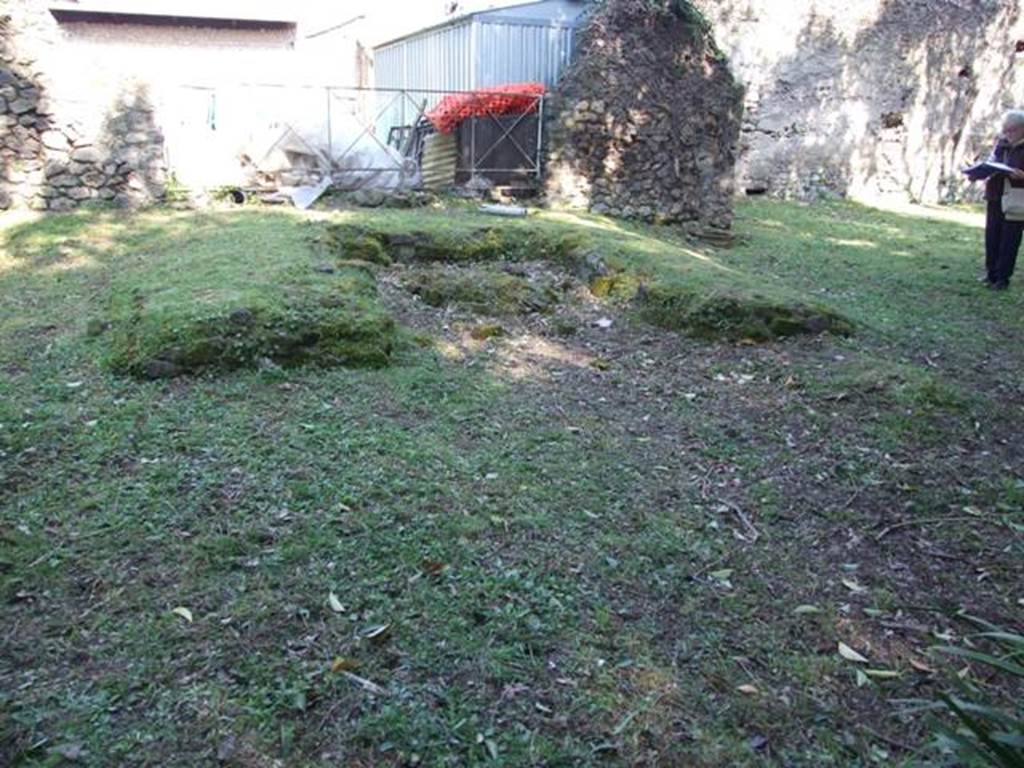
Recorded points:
(988, 168)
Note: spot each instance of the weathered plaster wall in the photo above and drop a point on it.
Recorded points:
(98, 111)
(175, 55)
(52, 160)
(646, 120)
(868, 97)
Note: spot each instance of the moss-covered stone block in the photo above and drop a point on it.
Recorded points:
(351, 243)
(714, 315)
(340, 324)
(482, 291)
(461, 246)
(617, 286)
(486, 331)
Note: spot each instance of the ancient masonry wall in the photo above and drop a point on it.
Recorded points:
(869, 98)
(645, 122)
(50, 160)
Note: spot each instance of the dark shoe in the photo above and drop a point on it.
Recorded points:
(999, 285)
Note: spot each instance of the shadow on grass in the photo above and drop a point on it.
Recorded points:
(900, 272)
(548, 568)
(881, 269)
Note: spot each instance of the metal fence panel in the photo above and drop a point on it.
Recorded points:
(441, 60)
(207, 128)
(363, 136)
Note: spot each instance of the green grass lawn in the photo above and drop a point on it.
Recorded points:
(566, 545)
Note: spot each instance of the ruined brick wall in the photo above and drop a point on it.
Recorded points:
(869, 98)
(94, 111)
(52, 158)
(646, 120)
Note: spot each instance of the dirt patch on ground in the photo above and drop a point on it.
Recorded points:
(829, 496)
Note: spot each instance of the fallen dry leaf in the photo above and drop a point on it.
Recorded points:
(882, 674)
(920, 666)
(344, 665)
(850, 655)
(378, 634)
(854, 587)
(185, 613)
(433, 568)
(335, 603)
(803, 610)
(363, 683)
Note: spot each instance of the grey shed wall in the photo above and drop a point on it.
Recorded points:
(531, 42)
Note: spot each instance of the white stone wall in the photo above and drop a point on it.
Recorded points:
(869, 98)
(210, 94)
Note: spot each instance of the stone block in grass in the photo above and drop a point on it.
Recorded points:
(462, 246)
(482, 291)
(711, 314)
(351, 243)
(334, 323)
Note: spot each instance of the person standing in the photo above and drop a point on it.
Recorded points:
(1003, 237)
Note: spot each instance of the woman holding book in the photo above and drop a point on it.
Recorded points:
(1002, 236)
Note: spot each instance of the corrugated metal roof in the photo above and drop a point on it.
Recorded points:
(515, 53)
(234, 10)
(538, 12)
(554, 12)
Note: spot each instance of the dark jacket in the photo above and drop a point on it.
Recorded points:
(1008, 154)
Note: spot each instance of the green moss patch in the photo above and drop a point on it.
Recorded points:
(618, 286)
(351, 243)
(448, 246)
(897, 384)
(486, 331)
(717, 315)
(338, 325)
(483, 291)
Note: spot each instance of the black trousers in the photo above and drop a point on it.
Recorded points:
(1002, 241)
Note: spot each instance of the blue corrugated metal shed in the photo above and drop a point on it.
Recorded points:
(529, 42)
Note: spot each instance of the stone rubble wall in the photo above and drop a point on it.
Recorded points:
(869, 98)
(645, 122)
(49, 160)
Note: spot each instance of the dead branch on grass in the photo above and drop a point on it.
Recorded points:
(930, 520)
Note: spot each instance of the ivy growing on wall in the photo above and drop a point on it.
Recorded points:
(689, 13)
(693, 19)
(683, 9)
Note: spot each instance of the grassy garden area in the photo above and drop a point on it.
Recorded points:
(433, 488)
